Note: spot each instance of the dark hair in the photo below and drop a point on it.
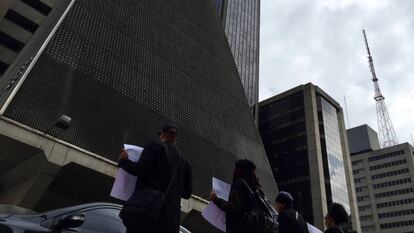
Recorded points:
(166, 127)
(338, 213)
(245, 169)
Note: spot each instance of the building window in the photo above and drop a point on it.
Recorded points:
(388, 155)
(395, 203)
(397, 224)
(392, 183)
(354, 163)
(394, 193)
(392, 173)
(390, 164)
(396, 213)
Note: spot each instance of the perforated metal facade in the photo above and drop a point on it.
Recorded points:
(122, 68)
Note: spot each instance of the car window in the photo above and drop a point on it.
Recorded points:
(103, 220)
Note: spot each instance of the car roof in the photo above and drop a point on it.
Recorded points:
(81, 207)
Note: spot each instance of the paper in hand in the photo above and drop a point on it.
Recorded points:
(124, 184)
(212, 213)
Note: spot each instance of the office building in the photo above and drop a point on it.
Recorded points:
(304, 136)
(241, 20)
(121, 69)
(383, 182)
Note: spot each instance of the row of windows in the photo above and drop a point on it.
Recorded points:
(394, 193)
(392, 183)
(363, 198)
(363, 208)
(359, 180)
(356, 162)
(397, 224)
(395, 203)
(396, 213)
(388, 155)
(360, 189)
(387, 174)
(390, 164)
(357, 171)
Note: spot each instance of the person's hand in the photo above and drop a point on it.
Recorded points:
(123, 155)
(213, 196)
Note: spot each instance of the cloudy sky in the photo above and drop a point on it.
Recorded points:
(321, 42)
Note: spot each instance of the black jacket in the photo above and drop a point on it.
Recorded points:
(154, 170)
(239, 203)
(291, 222)
(342, 228)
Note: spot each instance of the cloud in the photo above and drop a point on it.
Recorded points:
(321, 42)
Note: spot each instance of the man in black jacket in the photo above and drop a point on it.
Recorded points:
(290, 221)
(154, 170)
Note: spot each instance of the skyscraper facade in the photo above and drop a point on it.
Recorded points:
(304, 136)
(120, 69)
(241, 21)
(383, 182)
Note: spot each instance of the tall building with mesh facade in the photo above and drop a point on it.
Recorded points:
(241, 20)
(304, 135)
(119, 69)
(383, 182)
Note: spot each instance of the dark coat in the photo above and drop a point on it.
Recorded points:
(289, 224)
(154, 170)
(239, 203)
(342, 228)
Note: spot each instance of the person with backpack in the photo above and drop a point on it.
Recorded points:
(290, 221)
(247, 209)
(164, 176)
(336, 220)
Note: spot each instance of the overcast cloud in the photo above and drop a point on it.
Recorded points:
(321, 42)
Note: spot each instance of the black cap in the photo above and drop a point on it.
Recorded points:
(166, 128)
(284, 198)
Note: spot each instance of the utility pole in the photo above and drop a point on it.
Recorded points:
(385, 128)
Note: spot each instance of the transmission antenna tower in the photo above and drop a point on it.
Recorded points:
(385, 129)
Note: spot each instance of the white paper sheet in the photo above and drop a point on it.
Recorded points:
(313, 229)
(124, 184)
(221, 188)
(212, 213)
(215, 216)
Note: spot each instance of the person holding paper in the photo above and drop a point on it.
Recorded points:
(290, 221)
(164, 176)
(240, 200)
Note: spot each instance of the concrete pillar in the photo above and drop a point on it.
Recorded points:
(318, 191)
(353, 205)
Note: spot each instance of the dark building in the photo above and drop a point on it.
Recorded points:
(241, 21)
(383, 182)
(362, 139)
(305, 140)
(120, 69)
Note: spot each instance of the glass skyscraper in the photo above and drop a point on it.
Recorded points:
(241, 21)
(304, 136)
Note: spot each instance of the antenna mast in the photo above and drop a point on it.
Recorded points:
(385, 128)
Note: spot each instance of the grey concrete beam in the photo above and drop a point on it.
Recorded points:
(15, 31)
(50, 3)
(28, 12)
(6, 55)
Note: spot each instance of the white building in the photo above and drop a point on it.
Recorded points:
(383, 182)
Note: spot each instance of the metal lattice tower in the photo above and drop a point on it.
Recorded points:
(385, 128)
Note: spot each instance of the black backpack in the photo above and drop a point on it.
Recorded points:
(263, 217)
